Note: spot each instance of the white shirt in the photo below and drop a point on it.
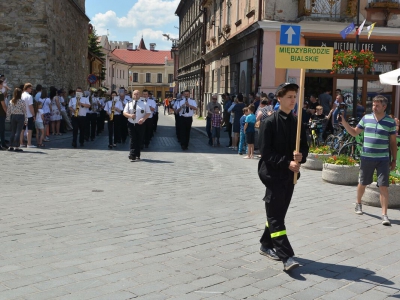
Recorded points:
(28, 101)
(82, 110)
(46, 105)
(62, 101)
(39, 115)
(183, 112)
(118, 104)
(141, 110)
(151, 103)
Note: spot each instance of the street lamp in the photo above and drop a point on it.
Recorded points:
(355, 85)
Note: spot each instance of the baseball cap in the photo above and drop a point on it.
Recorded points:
(283, 85)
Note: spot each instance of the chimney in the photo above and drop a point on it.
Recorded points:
(152, 46)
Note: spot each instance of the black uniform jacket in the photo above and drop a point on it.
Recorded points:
(277, 141)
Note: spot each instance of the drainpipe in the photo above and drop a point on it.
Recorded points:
(259, 42)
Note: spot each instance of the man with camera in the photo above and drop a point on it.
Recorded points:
(137, 111)
(186, 110)
(379, 152)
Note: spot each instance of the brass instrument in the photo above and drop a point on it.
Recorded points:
(113, 109)
(78, 103)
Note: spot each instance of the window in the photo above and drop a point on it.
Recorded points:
(148, 77)
(159, 78)
(123, 74)
(120, 73)
(170, 78)
(135, 77)
(324, 8)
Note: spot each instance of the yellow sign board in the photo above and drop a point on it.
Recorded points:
(302, 57)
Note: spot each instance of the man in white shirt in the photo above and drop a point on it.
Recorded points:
(175, 105)
(30, 114)
(101, 114)
(78, 121)
(123, 123)
(137, 112)
(155, 114)
(186, 109)
(91, 118)
(148, 131)
(114, 119)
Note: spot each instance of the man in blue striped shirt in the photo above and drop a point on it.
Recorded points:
(379, 135)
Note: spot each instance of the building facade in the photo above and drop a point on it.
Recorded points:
(37, 46)
(138, 68)
(191, 48)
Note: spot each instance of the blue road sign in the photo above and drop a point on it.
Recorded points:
(290, 35)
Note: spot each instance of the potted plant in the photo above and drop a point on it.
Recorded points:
(340, 169)
(353, 59)
(226, 28)
(371, 195)
(316, 157)
(213, 39)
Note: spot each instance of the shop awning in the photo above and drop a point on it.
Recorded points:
(390, 78)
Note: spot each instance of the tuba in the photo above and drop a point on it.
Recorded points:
(78, 103)
(112, 109)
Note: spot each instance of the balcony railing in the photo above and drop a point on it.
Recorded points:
(323, 8)
(384, 3)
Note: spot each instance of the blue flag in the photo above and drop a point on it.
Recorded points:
(347, 30)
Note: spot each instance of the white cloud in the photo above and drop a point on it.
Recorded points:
(149, 13)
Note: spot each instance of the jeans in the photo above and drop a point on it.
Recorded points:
(3, 131)
(17, 123)
(208, 129)
(242, 143)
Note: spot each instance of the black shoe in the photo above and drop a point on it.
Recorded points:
(138, 158)
(11, 149)
(146, 146)
(270, 253)
(74, 145)
(110, 146)
(81, 144)
(132, 157)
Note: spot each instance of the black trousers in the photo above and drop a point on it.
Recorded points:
(177, 126)
(185, 127)
(277, 199)
(110, 125)
(124, 128)
(155, 121)
(208, 130)
(78, 124)
(148, 131)
(136, 133)
(117, 128)
(90, 127)
(229, 128)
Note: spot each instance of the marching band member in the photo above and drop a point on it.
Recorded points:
(175, 105)
(78, 107)
(101, 114)
(91, 117)
(148, 134)
(113, 109)
(186, 109)
(123, 122)
(137, 111)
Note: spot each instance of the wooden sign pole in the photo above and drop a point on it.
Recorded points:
(299, 115)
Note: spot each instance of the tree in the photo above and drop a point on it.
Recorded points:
(94, 45)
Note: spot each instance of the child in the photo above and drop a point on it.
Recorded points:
(242, 140)
(249, 130)
(216, 122)
(319, 115)
(39, 123)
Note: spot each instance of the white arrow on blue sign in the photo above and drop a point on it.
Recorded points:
(290, 35)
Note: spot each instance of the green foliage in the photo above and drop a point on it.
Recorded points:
(320, 150)
(94, 45)
(341, 160)
(353, 59)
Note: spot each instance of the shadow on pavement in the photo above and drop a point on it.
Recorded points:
(155, 161)
(393, 222)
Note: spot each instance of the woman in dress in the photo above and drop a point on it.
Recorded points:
(46, 113)
(55, 109)
(16, 113)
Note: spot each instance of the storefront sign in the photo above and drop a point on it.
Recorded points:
(302, 57)
(383, 48)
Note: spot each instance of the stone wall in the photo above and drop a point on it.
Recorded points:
(44, 42)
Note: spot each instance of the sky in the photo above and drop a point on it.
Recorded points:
(128, 20)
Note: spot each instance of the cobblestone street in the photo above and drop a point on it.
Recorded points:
(87, 223)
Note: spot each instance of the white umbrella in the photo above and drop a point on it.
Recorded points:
(390, 78)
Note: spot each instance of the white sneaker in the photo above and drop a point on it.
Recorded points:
(385, 220)
(31, 146)
(21, 146)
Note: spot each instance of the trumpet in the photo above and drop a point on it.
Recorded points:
(78, 103)
(112, 109)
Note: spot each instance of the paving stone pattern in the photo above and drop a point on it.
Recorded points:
(87, 223)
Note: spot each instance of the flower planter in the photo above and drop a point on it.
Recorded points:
(315, 161)
(371, 196)
(337, 174)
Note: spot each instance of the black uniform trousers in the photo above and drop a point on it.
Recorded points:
(110, 125)
(136, 133)
(277, 200)
(124, 128)
(155, 121)
(78, 124)
(229, 129)
(148, 131)
(117, 128)
(185, 127)
(177, 126)
(90, 127)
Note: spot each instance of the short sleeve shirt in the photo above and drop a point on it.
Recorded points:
(251, 121)
(376, 136)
